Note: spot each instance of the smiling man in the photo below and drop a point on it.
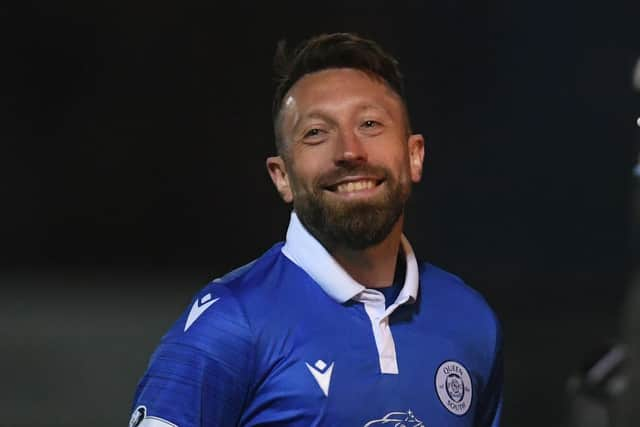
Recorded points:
(339, 325)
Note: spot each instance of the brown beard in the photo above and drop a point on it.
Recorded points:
(354, 225)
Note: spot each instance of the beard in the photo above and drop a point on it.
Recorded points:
(354, 225)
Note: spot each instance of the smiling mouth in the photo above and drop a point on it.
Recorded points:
(355, 186)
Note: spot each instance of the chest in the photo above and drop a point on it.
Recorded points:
(327, 371)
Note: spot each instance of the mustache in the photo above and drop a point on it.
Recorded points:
(338, 174)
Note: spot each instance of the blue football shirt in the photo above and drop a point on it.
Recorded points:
(292, 340)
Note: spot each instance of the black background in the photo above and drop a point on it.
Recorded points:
(133, 142)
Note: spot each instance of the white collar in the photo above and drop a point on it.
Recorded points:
(306, 252)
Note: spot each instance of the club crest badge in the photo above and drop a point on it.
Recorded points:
(454, 388)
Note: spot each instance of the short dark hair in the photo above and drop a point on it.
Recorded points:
(336, 50)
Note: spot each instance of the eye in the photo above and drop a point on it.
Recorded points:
(314, 135)
(371, 127)
(312, 132)
(370, 123)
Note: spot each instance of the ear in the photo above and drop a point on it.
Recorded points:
(278, 172)
(416, 156)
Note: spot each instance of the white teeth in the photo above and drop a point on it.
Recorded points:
(355, 186)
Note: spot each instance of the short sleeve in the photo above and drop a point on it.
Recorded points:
(200, 373)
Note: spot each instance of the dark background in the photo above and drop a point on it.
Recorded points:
(133, 139)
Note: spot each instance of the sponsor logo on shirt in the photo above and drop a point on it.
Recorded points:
(322, 373)
(199, 307)
(453, 385)
(397, 419)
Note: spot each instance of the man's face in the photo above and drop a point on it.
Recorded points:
(349, 160)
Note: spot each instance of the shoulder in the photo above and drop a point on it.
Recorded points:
(217, 313)
(436, 281)
(451, 296)
(208, 352)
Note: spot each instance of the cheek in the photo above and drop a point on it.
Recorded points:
(301, 179)
(307, 165)
(396, 159)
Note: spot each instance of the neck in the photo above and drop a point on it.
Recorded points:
(373, 267)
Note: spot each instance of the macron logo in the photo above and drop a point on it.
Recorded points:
(198, 308)
(322, 374)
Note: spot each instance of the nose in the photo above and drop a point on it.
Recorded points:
(350, 149)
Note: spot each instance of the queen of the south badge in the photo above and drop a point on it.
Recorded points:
(453, 385)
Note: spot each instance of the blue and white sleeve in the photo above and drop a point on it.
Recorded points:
(199, 376)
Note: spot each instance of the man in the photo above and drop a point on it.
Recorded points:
(339, 325)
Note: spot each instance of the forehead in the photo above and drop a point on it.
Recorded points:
(337, 88)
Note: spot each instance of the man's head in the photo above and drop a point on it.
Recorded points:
(346, 154)
(337, 50)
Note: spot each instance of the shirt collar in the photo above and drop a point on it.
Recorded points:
(307, 252)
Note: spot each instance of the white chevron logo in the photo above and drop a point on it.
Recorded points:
(322, 374)
(198, 308)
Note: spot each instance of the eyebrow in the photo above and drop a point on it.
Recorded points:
(320, 114)
(374, 107)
